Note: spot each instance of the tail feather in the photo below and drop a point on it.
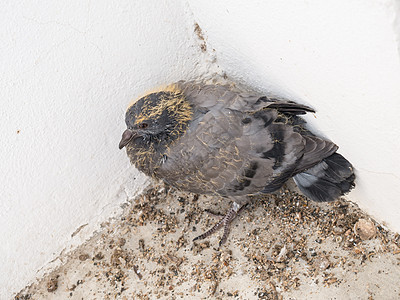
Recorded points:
(327, 180)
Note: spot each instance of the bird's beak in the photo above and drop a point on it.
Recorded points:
(127, 136)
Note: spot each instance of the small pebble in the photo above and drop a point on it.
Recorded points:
(99, 256)
(52, 284)
(83, 257)
(365, 229)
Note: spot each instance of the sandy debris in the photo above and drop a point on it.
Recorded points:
(282, 246)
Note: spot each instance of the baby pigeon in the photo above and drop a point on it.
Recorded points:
(222, 140)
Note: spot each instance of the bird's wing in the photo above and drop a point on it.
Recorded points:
(239, 144)
(225, 96)
(233, 153)
(316, 149)
(204, 95)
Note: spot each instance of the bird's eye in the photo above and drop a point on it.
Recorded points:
(143, 125)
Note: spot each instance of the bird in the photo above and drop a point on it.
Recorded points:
(232, 142)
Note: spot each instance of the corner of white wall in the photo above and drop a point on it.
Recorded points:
(69, 70)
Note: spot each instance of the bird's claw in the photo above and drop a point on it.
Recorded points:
(225, 222)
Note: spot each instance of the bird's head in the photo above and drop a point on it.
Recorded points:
(156, 119)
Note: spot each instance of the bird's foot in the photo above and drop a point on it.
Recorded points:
(224, 222)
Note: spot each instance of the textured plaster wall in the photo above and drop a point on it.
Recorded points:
(342, 58)
(68, 71)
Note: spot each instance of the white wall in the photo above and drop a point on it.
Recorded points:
(340, 57)
(68, 71)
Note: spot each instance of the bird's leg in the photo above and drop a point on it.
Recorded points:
(224, 222)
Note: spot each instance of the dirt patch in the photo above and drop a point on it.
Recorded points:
(200, 35)
(282, 246)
